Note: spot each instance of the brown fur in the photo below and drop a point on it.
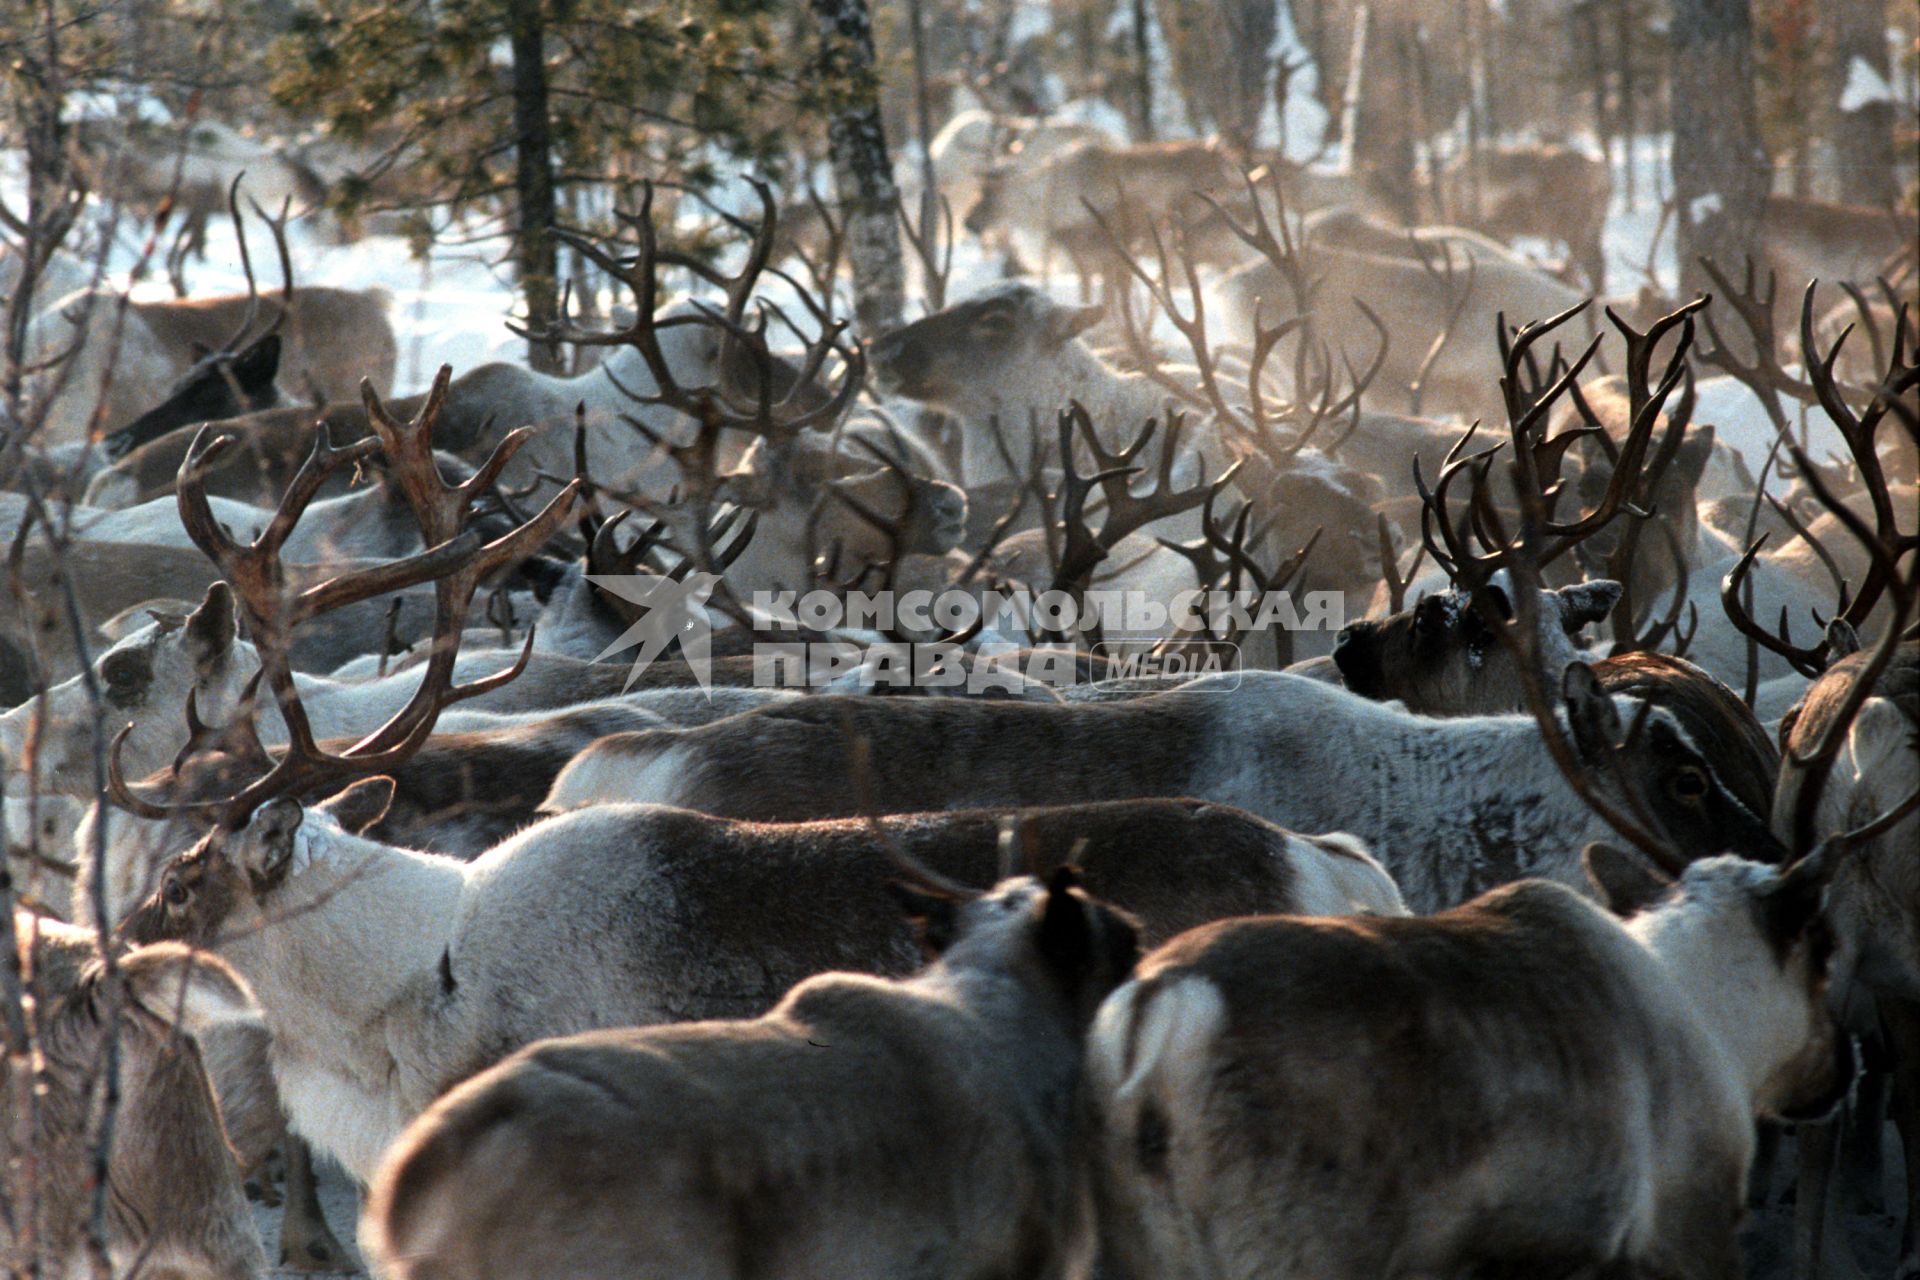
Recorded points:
(860, 1128)
(1553, 192)
(1498, 1090)
(173, 1189)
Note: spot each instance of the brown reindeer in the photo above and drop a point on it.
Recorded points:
(172, 1200)
(1534, 189)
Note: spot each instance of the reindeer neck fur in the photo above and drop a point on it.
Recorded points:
(401, 905)
(1730, 982)
(1495, 807)
(342, 974)
(1119, 404)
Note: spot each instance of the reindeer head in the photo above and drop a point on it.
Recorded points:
(1654, 771)
(169, 1160)
(1441, 657)
(990, 209)
(1079, 945)
(222, 384)
(1729, 925)
(955, 359)
(811, 483)
(234, 883)
(143, 680)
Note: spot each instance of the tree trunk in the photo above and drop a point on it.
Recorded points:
(1625, 24)
(536, 250)
(1220, 64)
(1142, 74)
(1863, 144)
(1721, 173)
(862, 173)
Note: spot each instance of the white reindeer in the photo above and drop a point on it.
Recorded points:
(1451, 806)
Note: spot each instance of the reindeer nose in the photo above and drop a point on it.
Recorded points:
(1356, 655)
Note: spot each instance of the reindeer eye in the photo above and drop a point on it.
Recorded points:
(126, 675)
(1689, 784)
(175, 892)
(994, 324)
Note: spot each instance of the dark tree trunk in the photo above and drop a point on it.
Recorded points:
(1721, 173)
(1384, 138)
(536, 250)
(1142, 74)
(1863, 144)
(862, 172)
(53, 195)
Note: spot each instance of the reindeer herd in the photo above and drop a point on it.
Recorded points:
(1502, 930)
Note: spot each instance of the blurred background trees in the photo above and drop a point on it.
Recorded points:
(452, 119)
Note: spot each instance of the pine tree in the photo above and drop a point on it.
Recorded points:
(496, 109)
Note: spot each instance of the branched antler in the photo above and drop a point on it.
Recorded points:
(1126, 512)
(1885, 541)
(455, 560)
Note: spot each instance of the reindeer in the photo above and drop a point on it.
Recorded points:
(1011, 358)
(220, 385)
(274, 892)
(1049, 199)
(172, 1202)
(190, 171)
(1451, 806)
(980, 1053)
(1550, 191)
(1419, 307)
(978, 147)
(1805, 240)
(1442, 658)
(332, 338)
(1506, 1040)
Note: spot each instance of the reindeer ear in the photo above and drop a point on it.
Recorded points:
(1792, 903)
(1591, 715)
(1587, 602)
(1690, 460)
(1064, 324)
(210, 628)
(257, 366)
(1627, 883)
(360, 806)
(936, 919)
(1065, 939)
(264, 848)
(191, 989)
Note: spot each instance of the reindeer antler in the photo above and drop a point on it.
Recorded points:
(456, 560)
(1884, 540)
(1126, 511)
